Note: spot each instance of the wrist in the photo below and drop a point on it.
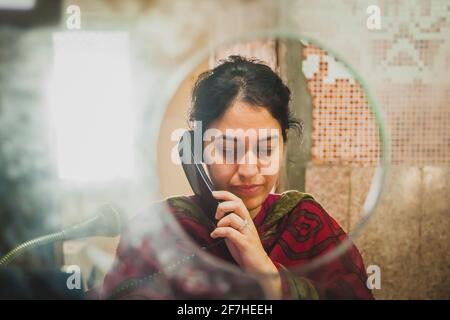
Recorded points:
(272, 286)
(271, 281)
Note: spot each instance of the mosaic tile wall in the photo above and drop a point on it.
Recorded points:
(344, 130)
(409, 56)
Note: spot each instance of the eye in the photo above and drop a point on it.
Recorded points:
(228, 147)
(264, 150)
(227, 151)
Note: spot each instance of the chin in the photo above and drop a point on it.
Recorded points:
(253, 202)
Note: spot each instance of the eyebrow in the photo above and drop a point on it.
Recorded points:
(225, 137)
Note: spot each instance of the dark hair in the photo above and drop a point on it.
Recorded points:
(247, 80)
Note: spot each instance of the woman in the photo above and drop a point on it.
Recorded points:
(264, 233)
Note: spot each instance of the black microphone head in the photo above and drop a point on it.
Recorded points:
(107, 223)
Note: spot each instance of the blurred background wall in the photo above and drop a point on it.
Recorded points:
(404, 64)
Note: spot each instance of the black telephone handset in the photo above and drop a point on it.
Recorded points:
(200, 183)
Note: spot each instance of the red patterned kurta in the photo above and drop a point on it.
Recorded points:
(294, 229)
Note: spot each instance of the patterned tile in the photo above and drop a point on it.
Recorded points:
(360, 180)
(391, 240)
(330, 187)
(435, 235)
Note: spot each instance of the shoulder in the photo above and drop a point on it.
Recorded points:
(309, 220)
(187, 207)
(300, 210)
(184, 211)
(290, 199)
(170, 216)
(156, 215)
(304, 232)
(181, 203)
(280, 205)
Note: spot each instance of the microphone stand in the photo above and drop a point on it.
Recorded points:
(107, 223)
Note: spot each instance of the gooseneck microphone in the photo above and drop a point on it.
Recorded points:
(107, 223)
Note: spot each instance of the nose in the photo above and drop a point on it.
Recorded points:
(247, 170)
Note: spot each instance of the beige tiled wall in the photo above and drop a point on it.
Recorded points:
(435, 232)
(330, 186)
(408, 235)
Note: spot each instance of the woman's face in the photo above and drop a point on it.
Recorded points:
(252, 177)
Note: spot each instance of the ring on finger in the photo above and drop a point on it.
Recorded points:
(243, 225)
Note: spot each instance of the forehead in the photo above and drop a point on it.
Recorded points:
(241, 115)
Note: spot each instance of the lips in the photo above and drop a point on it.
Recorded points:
(247, 189)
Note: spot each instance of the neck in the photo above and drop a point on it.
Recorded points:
(254, 212)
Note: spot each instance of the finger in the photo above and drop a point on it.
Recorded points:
(229, 233)
(231, 206)
(232, 220)
(225, 195)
